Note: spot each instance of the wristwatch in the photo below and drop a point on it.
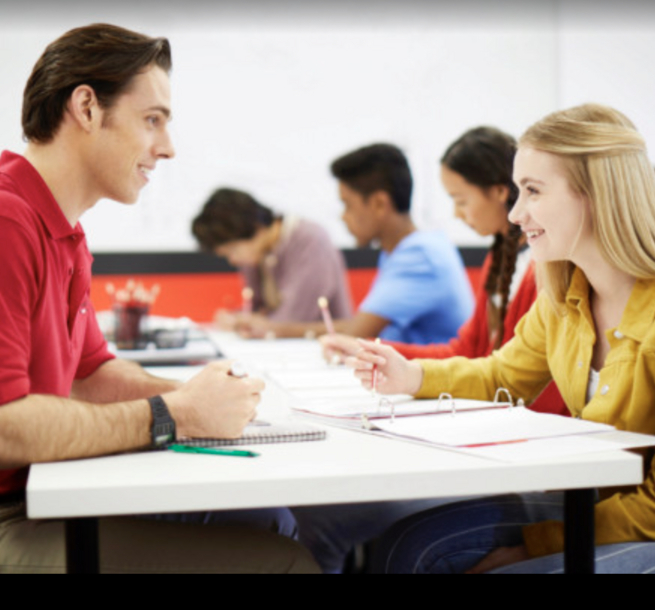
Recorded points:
(163, 425)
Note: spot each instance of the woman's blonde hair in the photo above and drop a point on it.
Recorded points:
(606, 161)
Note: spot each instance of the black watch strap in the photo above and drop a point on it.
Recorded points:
(163, 425)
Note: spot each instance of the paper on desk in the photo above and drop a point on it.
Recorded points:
(316, 379)
(549, 448)
(307, 398)
(259, 351)
(487, 426)
(177, 373)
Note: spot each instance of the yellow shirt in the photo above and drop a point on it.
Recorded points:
(551, 346)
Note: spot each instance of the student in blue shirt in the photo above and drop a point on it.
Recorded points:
(422, 293)
(421, 290)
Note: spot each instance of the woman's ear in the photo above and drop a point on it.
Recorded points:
(500, 192)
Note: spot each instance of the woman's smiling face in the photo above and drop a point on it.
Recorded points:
(556, 220)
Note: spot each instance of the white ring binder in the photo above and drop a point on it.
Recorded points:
(388, 405)
(510, 400)
(453, 407)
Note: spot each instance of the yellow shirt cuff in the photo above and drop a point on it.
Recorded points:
(431, 380)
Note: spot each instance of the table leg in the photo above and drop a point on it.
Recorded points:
(580, 549)
(82, 549)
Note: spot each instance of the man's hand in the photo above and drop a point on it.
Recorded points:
(215, 404)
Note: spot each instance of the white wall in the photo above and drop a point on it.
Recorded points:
(266, 95)
(610, 59)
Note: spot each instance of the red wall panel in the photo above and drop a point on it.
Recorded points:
(199, 295)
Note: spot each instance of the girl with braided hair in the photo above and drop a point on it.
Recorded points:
(476, 171)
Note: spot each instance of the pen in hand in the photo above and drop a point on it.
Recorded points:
(375, 373)
(327, 317)
(238, 370)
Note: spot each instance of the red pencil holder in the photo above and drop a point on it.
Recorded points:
(130, 325)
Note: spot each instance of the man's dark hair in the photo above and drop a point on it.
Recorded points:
(230, 215)
(379, 167)
(104, 57)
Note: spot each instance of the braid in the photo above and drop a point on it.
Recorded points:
(499, 282)
(496, 265)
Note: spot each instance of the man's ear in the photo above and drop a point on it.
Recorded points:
(84, 109)
(380, 202)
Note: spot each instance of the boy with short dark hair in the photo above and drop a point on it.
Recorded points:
(422, 293)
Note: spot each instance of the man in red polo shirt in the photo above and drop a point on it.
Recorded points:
(95, 115)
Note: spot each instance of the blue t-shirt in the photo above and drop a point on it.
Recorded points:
(422, 289)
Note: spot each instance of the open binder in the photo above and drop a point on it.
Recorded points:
(367, 409)
(456, 423)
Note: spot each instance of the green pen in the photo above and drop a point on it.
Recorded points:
(227, 452)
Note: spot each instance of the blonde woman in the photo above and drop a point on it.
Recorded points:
(587, 206)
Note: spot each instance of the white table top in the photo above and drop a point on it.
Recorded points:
(348, 467)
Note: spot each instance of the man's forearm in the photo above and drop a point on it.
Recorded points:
(42, 428)
(39, 428)
(120, 380)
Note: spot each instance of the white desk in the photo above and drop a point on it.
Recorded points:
(348, 467)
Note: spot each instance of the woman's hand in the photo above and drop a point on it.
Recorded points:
(336, 348)
(383, 367)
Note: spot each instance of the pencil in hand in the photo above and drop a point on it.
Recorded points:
(327, 317)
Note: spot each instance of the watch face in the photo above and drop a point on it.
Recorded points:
(163, 425)
(163, 434)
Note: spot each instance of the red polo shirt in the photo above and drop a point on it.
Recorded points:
(49, 335)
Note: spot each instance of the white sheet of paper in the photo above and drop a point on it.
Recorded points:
(486, 427)
(316, 379)
(548, 448)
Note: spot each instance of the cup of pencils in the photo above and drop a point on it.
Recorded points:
(131, 307)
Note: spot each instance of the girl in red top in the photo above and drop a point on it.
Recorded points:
(476, 171)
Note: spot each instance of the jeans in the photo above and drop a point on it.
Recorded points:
(331, 532)
(455, 538)
(278, 520)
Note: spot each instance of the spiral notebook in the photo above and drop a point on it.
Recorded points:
(261, 433)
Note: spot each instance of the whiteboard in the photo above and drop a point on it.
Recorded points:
(266, 95)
